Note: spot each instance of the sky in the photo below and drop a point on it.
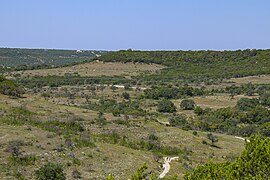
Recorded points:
(135, 24)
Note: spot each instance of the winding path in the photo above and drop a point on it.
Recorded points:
(242, 138)
(167, 166)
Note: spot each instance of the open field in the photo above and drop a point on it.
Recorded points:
(262, 79)
(95, 69)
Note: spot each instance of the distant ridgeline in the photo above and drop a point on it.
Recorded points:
(43, 58)
(197, 66)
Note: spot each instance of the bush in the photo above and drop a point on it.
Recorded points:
(179, 121)
(212, 138)
(245, 104)
(125, 95)
(23, 160)
(253, 163)
(198, 110)
(140, 173)
(195, 133)
(51, 171)
(166, 106)
(14, 147)
(187, 104)
(265, 99)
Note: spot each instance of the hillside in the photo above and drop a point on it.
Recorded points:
(25, 58)
(197, 66)
(125, 112)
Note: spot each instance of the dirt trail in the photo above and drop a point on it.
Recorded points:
(242, 138)
(167, 166)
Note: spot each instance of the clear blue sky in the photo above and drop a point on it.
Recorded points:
(136, 24)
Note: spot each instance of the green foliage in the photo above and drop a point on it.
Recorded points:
(179, 121)
(246, 89)
(55, 81)
(166, 106)
(140, 173)
(173, 92)
(23, 160)
(198, 110)
(51, 171)
(212, 138)
(125, 95)
(117, 108)
(265, 99)
(152, 143)
(101, 120)
(233, 121)
(43, 58)
(197, 66)
(253, 163)
(246, 104)
(195, 133)
(8, 87)
(187, 104)
(110, 177)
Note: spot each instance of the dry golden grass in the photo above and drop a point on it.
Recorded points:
(96, 69)
(262, 79)
(216, 102)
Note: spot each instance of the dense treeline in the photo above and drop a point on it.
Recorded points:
(253, 163)
(55, 81)
(173, 92)
(43, 58)
(197, 66)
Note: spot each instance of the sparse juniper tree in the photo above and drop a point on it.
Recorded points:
(187, 104)
(126, 95)
(212, 138)
(113, 88)
(166, 106)
(51, 171)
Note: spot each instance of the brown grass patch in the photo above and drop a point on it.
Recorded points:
(263, 79)
(96, 69)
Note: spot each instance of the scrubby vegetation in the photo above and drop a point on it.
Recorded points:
(22, 59)
(197, 66)
(80, 126)
(253, 163)
(10, 88)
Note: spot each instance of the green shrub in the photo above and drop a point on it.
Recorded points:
(51, 171)
(187, 104)
(166, 106)
(253, 163)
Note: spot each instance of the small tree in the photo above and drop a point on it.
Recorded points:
(265, 99)
(101, 120)
(212, 138)
(113, 88)
(51, 171)
(178, 121)
(125, 95)
(187, 104)
(166, 106)
(198, 110)
(110, 177)
(140, 173)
